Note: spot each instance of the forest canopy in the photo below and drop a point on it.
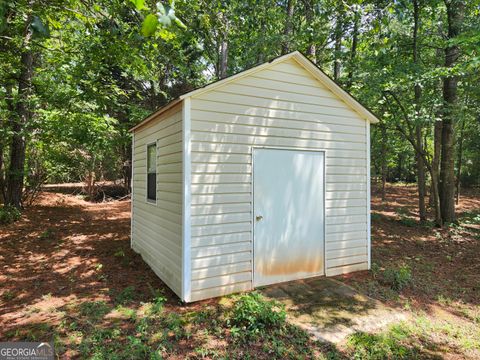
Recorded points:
(76, 75)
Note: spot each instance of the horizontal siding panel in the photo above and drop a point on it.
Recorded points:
(345, 203)
(165, 214)
(338, 186)
(253, 101)
(347, 178)
(358, 210)
(269, 94)
(220, 209)
(205, 189)
(220, 219)
(165, 256)
(221, 260)
(221, 270)
(225, 168)
(220, 291)
(220, 158)
(172, 187)
(256, 81)
(341, 170)
(346, 236)
(170, 168)
(220, 239)
(333, 220)
(170, 196)
(329, 114)
(347, 244)
(350, 260)
(221, 178)
(325, 123)
(258, 140)
(170, 158)
(342, 253)
(163, 236)
(160, 269)
(221, 199)
(332, 229)
(347, 269)
(221, 280)
(165, 126)
(336, 195)
(208, 147)
(219, 229)
(293, 79)
(203, 126)
(220, 250)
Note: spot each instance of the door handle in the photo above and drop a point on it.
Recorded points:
(258, 217)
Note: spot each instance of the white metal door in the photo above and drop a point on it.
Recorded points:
(288, 215)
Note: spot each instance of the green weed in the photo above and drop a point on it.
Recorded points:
(254, 314)
(9, 214)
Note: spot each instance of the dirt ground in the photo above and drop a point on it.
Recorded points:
(65, 252)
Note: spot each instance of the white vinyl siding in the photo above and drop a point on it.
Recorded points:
(282, 106)
(157, 226)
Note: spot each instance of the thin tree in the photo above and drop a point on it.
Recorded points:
(455, 14)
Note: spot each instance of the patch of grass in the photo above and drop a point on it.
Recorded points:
(126, 295)
(389, 345)
(253, 314)
(47, 234)
(94, 310)
(8, 295)
(398, 278)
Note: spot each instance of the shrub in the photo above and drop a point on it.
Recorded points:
(9, 214)
(399, 278)
(254, 313)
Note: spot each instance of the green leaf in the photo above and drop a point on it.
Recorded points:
(149, 25)
(39, 28)
(139, 4)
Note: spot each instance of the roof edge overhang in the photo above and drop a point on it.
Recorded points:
(302, 60)
(153, 115)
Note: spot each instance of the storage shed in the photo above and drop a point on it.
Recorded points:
(259, 178)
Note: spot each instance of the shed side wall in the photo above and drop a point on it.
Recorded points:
(283, 106)
(157, 228)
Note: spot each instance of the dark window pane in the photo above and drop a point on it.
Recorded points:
(152, 186)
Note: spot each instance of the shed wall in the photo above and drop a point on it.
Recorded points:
(157, 227)
(283, 106)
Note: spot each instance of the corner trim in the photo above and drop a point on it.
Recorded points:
(186, 210)
(369, 200)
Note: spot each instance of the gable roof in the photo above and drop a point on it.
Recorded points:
(303, 61)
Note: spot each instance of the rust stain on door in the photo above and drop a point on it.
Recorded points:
(292, 266)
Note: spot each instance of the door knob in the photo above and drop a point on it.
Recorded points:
(259, 217)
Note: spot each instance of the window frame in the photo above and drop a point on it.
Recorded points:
(147, 199)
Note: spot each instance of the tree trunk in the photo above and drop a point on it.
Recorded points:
(309, 16)
(434, 172)
(287, 32)
(222, 73)
(353, 50)
(338, 46)
(383, 130)
(223, 50)
(418, 127)
(459, 161)
(15, 175)
(455, 10)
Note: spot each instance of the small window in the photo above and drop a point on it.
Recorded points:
(152, 172)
